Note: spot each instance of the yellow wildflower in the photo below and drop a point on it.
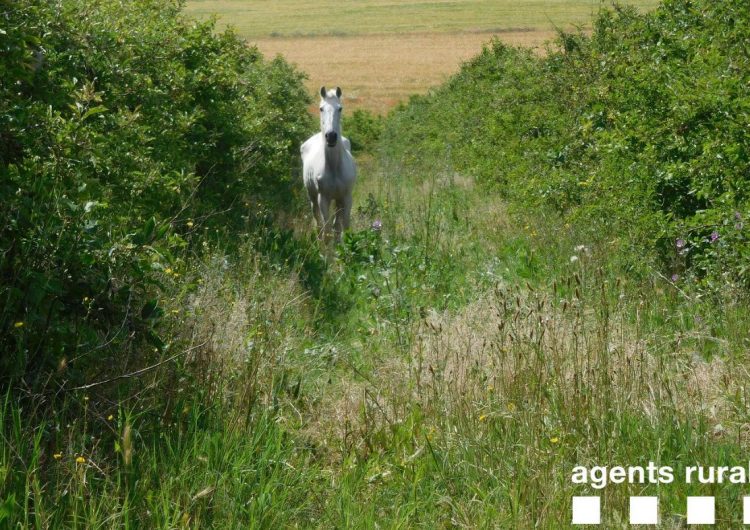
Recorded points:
(80, 460)
(190, 224)
(554, 439)
(18, 324)
(168, 270)
(483, 417)
(110, 417)
(57, 456)
(511, 407)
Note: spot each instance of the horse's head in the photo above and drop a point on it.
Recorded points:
(330, 115)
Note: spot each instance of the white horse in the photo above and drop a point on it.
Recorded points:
(328, 168)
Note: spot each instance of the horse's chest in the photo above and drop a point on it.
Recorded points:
(332, 184)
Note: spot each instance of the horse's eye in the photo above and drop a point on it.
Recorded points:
(321, 109)
(341, 108)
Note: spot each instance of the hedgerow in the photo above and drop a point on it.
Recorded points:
(637, 133)
(127, 133)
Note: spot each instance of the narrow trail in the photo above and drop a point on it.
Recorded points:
(441, 242)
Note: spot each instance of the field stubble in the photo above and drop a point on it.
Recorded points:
(378, 71)
(382, 51)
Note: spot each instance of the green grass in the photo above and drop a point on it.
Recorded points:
(295, 18)
(448, 370)
(471, 366)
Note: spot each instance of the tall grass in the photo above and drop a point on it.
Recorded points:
(471, 368)
(446, 366)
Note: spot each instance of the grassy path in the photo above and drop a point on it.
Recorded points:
(448, 370)
(476, 364)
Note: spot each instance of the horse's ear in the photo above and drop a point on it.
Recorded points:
(323, 92)
(338, 91)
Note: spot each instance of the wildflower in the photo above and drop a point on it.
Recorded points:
(168, 270)
(86, 299)
(189, 224)
(511, 407)
(57, 456)
(738, 216)
(377, 225)
(80, 460)
(110, 417)
(573, 259)
(483, 417)
(18, 324)
(85, 398)
(554, 440)
(675, 277)
(714, 236)
(738, 226)
(680, 243)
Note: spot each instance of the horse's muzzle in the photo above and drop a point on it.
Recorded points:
(331, 138)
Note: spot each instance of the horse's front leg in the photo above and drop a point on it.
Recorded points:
(347, 209)
(316, 214)
(323, 223)
(343, 215)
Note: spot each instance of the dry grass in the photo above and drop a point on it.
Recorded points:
(235, 316)
(294, 18)
(378, 71)
(514, 348)
(381, 51)
(516, 351)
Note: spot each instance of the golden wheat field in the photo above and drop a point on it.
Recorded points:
(380, 51)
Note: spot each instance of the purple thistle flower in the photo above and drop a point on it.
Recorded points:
(675, 277)
(680, 243)
(738, 216)
(377, 225)
(714, 236)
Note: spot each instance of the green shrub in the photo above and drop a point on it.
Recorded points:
(363, 129)
(126, 130)
(637, 132)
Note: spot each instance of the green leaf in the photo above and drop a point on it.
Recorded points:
(94, 111)
(151, 310)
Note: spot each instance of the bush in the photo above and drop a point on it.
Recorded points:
(363, 129)
(638, 132)
(125, 131)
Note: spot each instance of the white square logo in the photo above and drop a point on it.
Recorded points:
(586, 510)
(644, 510)
(701, 510)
